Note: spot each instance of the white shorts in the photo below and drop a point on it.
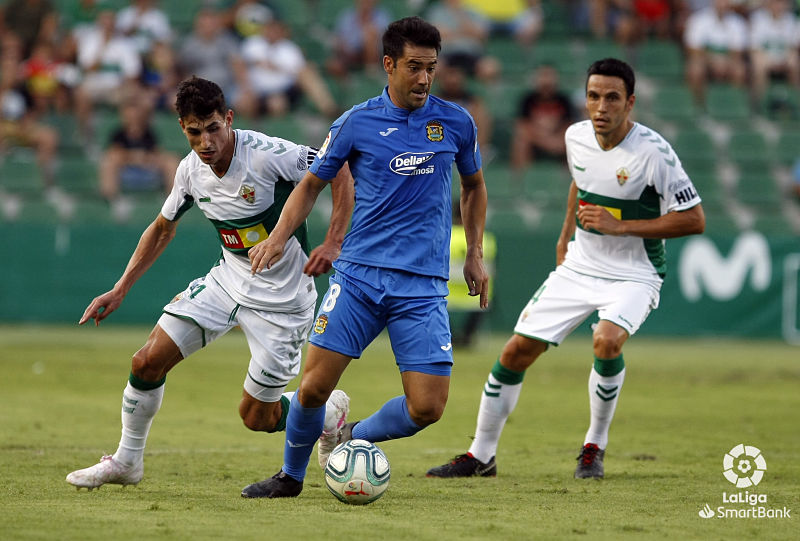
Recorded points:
(567, 298)
(204, 312)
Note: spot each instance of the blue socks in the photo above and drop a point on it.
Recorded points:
(390, 422)
(303, 428)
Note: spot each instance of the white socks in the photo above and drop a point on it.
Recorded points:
(500, 395)
(603, 397)
(138, 409)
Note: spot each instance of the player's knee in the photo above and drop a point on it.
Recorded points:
(427, 413)
(146, 366)
(520, 352)
(312, 396)
(258, 423)
(257, 420)
(606, 347)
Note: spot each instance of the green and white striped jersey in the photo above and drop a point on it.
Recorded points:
(640, 178)
(244, 205)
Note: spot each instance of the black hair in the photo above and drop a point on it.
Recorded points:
(614, 67)
(199, 97)
(413, 30)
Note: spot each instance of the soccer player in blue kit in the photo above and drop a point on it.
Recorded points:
(393, 268)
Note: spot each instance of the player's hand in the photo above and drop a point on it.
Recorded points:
(598, 218)
(321, 259)
(477, 279)
(101, 307)
(264, 254)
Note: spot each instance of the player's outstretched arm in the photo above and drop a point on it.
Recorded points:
(473, 215)
(151, 244)
(342, 192)
(296, 209)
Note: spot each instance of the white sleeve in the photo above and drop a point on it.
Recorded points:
(288, 160)
(671, 181)
(180, 199)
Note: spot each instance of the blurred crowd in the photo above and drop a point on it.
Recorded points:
(75, 57)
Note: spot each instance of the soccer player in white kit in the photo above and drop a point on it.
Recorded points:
(629, 192)
(240, 180)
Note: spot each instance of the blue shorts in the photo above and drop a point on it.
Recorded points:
(353, 313)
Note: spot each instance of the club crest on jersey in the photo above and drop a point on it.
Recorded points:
(248, 193)
(320, 324)
(622, 175)
(434, 130)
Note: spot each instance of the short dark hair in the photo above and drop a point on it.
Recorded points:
(413, 30)
(614, 67)
(199, 97)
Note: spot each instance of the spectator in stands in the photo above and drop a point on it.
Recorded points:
(33, 21)
(356, 39)
(111, 67)
(19, 125)
(521, 19)
(277, 74)
(133, 162)
(42, 75)
(545, 113)
(245, 18)
(796, 180)
(452, 82)
(150, 29)
(716, 41)
(145, 24)
(464, 35)
(211, 52)
(774, 46)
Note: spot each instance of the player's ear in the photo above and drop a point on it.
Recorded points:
(229, 118)
(388, 64)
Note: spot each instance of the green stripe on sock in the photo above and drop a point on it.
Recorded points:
(143, 385)
(609, 367)
(281, 426)
(506, 376)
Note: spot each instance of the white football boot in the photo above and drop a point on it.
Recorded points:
(336, 410)
(106, 471)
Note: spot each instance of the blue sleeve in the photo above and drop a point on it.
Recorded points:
(335, 150)
(468, 157)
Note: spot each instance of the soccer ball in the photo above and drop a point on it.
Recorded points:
(357, 472)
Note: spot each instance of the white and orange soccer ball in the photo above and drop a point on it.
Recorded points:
(357, 472)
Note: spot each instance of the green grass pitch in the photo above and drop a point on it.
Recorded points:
(686, 402)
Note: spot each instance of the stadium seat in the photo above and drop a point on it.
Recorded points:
(787, 150)
(547, 182)
(78, 175)
(727, 102)
(711, 192)
(757, 187)
(659, 59)
(748, 148)
(501, 185)
(694, 144)
(20, 172)
(675, 103)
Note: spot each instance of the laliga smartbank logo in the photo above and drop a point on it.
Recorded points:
(744, 467)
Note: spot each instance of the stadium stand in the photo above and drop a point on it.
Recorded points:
(736, 152)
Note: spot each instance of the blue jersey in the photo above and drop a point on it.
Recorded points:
(402, 163)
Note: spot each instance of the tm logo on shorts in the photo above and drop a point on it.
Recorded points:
(320, 324)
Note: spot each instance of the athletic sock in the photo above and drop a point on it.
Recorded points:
(303, 428)
(390, 422)
(141, 401)
(499, 398)
(605, 384)
(286, 400)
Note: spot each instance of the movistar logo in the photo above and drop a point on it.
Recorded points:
(702, 267)
(407, 162)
